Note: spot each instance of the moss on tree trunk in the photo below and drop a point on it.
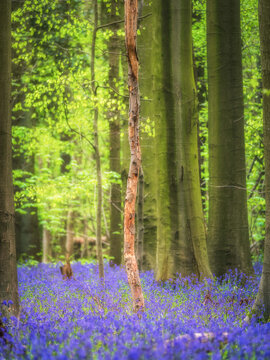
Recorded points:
(181, 235)
(228, 238)
(8, 269)
(263, 296)
(147, 136)
(113, 115)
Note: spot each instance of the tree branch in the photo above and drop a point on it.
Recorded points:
(74, 130)
(121, 21)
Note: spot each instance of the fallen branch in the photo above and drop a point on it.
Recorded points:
(202, 337)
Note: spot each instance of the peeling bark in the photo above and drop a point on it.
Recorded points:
(131, 15)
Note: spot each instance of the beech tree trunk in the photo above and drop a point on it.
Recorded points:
(114, 48)
(192, 234)
(46, 246)
(131, 16)
(28, 236)
(8, 269)
(125, 151)
(96, 145)
(69, 234)
(163, 113)
(228, 237)
(28, 239)
(85, 246)
(263, 296)
(181, 238)
(148, 141)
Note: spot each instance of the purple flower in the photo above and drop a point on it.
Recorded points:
(84, 319)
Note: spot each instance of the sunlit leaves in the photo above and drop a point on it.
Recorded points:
(52, 89)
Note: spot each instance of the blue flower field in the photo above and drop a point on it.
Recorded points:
(84, 319)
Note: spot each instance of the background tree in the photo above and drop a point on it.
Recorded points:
(114, 50)
(166, 191)
(94, 88)
(64, 172)
(46, 246)
(53, 58)
(148, 141)
(8, 269)
(263, 296)
(228, 238)
(252, 86)
(28, 235)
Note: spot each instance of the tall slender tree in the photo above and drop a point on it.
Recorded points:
(167, 209)
(263, 297)
(131, 18)
(148, 142)
(125, 151)
(28, 237)
(114, 48)
(228, 238)
(46, 245)
(96, 146)
(192, 232)
(8, 269)
(69, 246)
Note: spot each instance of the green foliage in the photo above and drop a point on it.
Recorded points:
(53, 111)
(200, 62)
(52, 94)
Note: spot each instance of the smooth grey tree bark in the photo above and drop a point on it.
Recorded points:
(113, 115)
(262, 301)
(228, 237)
(8, 269)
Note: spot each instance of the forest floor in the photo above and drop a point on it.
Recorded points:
(83, 319)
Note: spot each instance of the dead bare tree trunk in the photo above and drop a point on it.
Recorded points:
(131, 16)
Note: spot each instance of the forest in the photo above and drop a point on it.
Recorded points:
(134, 179)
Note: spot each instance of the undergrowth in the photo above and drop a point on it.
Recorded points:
(84, 319)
